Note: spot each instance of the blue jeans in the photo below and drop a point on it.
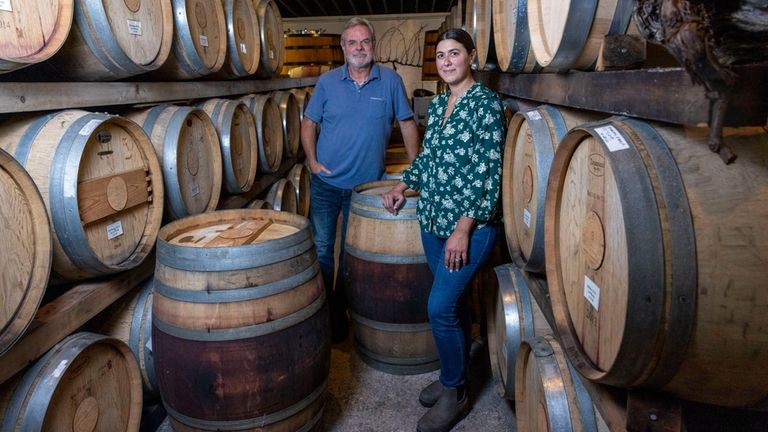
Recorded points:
(325, 204)
(448, 310)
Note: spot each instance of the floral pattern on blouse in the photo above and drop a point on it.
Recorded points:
(458, 173)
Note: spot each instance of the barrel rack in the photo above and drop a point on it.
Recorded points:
(666, 95)
(69, 311)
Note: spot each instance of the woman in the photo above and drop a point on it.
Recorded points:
(458, 175)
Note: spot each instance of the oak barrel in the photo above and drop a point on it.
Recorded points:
(512, 316)
(656, 257)
(130, 320)
(243, 48)
(568, 36)
(478, 22)
(25, 258)
(187, 145)
(269, 130)
(291, 121)
(236, 127)
(108, 43)
(388, 283)
(259, 204)
(102, 185)
(240, 292)
(271, 38)
(428, 65)
(282, 196)
(302, 100)
(87, 382)
(532, 139)
(511, 36)
(199, 41)
(299, 177)
(33, 31)
(549, 394)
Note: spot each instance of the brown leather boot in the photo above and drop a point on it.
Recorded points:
(448, 411)
(430, 394)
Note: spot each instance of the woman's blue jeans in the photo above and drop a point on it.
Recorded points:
(448, 310)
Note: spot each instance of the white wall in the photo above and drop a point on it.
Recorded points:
(399, 40)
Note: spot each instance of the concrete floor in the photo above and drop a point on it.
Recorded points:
(363, 399)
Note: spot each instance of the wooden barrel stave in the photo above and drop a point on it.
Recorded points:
(664, 245)
(271, 38)
(199, 43)
(388, 338)
(478, 24)
(85, 382)
(25, 259)
(511, 36)
(187, 146)
(299, 177)
(512, 316)
(312, 50)
(269, 130)
(243, 47)
(236, 127)
(241, 315)
(282, 196)
(291, 121)
(91, 235)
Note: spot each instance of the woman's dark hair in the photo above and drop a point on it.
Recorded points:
(459, 36)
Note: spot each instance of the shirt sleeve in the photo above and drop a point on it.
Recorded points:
(316, 103)
(483, 175)
(402, 107)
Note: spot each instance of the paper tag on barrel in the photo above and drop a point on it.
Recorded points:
(591, 292)
(5, 5)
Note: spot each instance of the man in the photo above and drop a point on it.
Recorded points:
(355, 105)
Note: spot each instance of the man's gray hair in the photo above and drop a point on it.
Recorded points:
(356, 21)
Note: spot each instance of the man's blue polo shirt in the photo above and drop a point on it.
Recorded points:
(355, 123)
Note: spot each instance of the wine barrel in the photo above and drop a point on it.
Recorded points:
(269, 130)
(271, 37)
(569, 37)
(512, 316)
(259, 204)
(388, 283)
(86, 382)
(299, 177)
(130, 320)
(302, 100)
(312, 50)
(291, 121)
(549, 394)
(243, 48)
(236, 127)
(532, 139)
(511, 36)
(253, 322)
(199, 42)
(101, 183)
(187, 145)
(109, 43)
(25, 258)
(428, 65)
(33, 31)
(656, 257)
(478, 24)
(282, 196)
(395, 170)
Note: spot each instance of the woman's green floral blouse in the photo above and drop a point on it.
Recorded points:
(459, 171)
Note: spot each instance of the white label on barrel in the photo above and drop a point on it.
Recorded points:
(612, 138)
(591, 292)
(60, 369)
(271, 54)
(5, 5)
(195, 189)
(134, 27)
(527, 217)
(204, 40)
(242, 48)
(115, 229)
(534, 115)
(89, 127)
(149, 343)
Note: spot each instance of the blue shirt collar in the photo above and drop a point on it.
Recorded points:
(375, 73)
